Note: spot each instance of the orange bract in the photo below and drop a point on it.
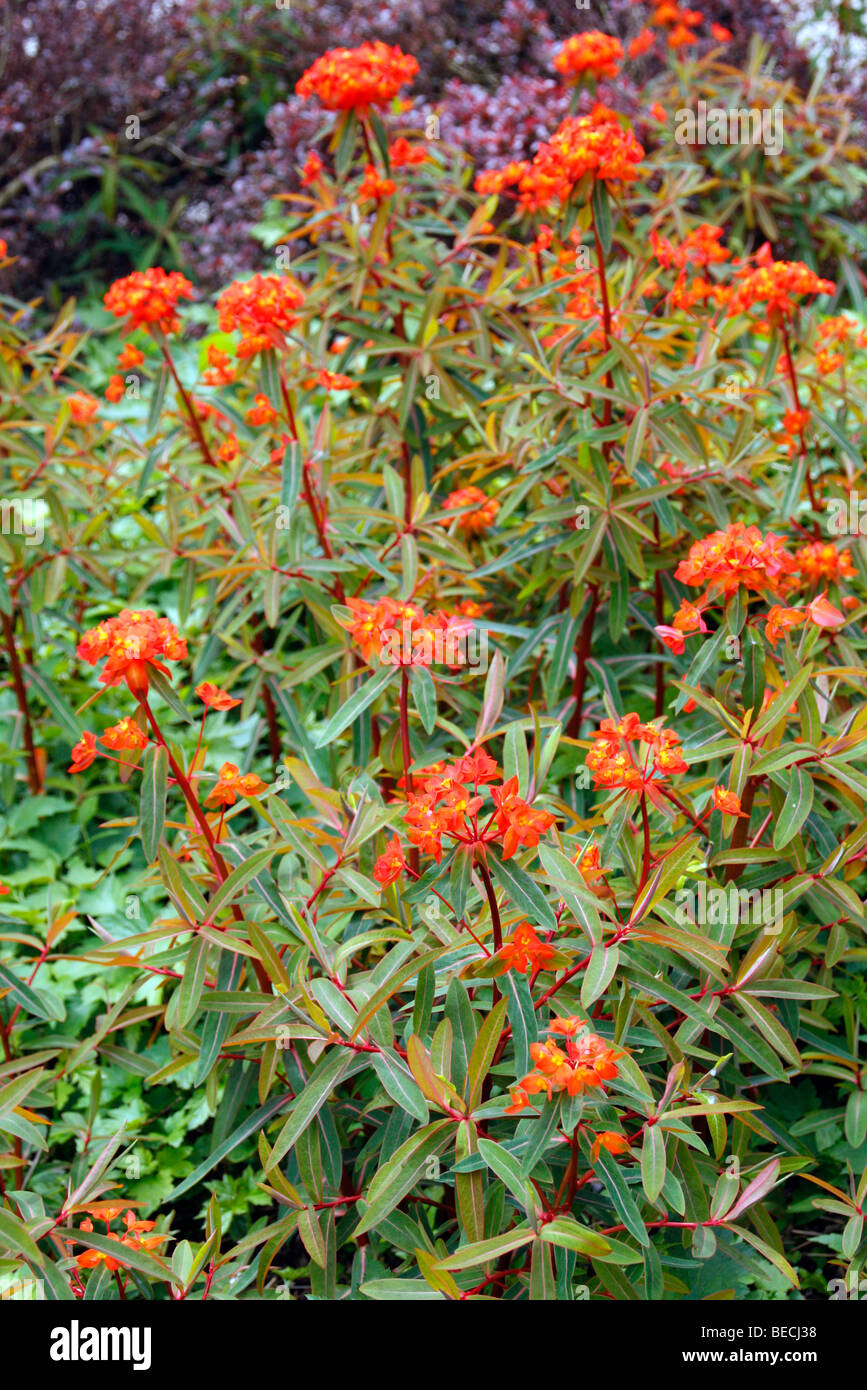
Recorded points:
(594, 145)
(584, 1062)
(149, 299)
(738, 556)
(390, 864)
(613, 763)
(593, 53)
(479, 520)
(400, 633)
(230, 785)
(215, 698)
(777, 285)
(82, 407)
(125, 734)
(263, 309)
(133, 641)
(524, 951)
(820, 560)
(352, 79)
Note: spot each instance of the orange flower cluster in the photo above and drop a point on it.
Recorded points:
(582, 1063)
(229, 786)
(836, 330)
(680, 23)
(700, 247)
(819, 611)
(687, 619)
(398, 632)
(589, 865)
(525, 952)
(479, 520)
(125, 734)
(739, 555)
(136, 1237)
(444, 800)
(776, 284)
(82, 407)
(334, 381)
(215, 698)
(353, 79)
(313, 167)
(727, 802)
(642, 43)
(590, 54)
(595, 145)
(133, 642)
(820, 560)
(220, 371)
(263, 309)
(261, 411)
(374, 186)
(614, 764)
(401, 153)
(148, 299)
(390, 864)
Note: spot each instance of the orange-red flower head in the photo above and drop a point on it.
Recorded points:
(590, 54)
(133, 642)
(390, 864)
(230, 785)
(353, 79)
(148, 299)
(215, 698)
(484, 512)
(263, 309)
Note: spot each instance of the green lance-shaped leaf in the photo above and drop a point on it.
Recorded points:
(154, 785)
(653, 1162)
(524, 892)
(398, 1082)
(193, 982)
(424, 696)
(796, 808)
(329, 1070)
(253, 1122)
(568, 1234)
(482, 1252)
(623, 1200)
(399, 1175)
(350, 709)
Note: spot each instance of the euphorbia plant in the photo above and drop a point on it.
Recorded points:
(430, 944)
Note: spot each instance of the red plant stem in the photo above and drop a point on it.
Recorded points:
(495, 911)
(659, 698)
(793, 381)
(189, 407)
(646, 861)
(407, 486)
(739, 838)
(406, 750)
(221, 869)
(274, 743)
(34, 781)
(319, 521)
(582, 652)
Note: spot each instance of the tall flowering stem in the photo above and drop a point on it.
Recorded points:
(220, 866)
(406, 749)
(195, 422)
(34, 779)
(796, 403)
